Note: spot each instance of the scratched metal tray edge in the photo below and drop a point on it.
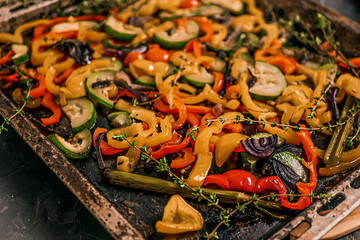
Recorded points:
(103, 210)
(92, 198)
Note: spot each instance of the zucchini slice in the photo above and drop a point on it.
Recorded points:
(201, 79)
(247, 162)
(21, 53)
(179, 38)
(120, 119)
(204, 10)
(281, 141)
(146, 80)
(120, 30)
(75, 148)
(270, 82)
(235, 6)
(73, 26)
(81, 112)
(218, 65)
(101, 95)
(115, 65)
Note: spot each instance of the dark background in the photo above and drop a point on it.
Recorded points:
(34, 204)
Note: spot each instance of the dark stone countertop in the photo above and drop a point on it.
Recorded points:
(34, 204)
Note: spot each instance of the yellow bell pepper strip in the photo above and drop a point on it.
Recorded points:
(140, 67)
(49, 103)
(132, 156)
(211, 96)
(201, 150)
(163, 136)
(38, 57)
(350, 84)
(17, 36)
(131, 131)
(50, 85)
(226, 145)
(310, 163)
(179, 217)
(295, 78)
(75, 83)
(333, 170)
(139, 113)
(246, 22)
(220, 34)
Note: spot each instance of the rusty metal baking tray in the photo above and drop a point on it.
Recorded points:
(131, 214)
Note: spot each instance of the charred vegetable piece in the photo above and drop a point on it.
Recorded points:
(80, 51)
(75, 148)
(330, 97)
(261, 147)
(99, 155)
(294, 163)
(81, 113)
(247, 161)
(280, 142)
(228, 45)
(289, 178)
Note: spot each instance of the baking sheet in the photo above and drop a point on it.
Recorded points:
(125, 212)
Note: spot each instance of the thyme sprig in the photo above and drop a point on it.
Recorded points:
(19, 111)
(212, 199)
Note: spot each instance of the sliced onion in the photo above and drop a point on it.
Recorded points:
(330, 97)
(261, 147)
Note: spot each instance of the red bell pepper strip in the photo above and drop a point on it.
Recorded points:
(234, 127)
(12, 78)
(205, 27)
(195, 46)
(239, 148)
(287, 65)
(187, 158)
(311, 163)
(217, 179)
(181, 23)
(63, 76)
(40, 89)
(39, 31)
(49, 103)
(162, 107)
(219, 82)
(180, 106)
(192, 119)
(6, 58)
(157, 54)
(190, 3)
(233, 92)
(355, 61)
(172, 148)
(240, 180)
(132, 56)
(105, 148)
